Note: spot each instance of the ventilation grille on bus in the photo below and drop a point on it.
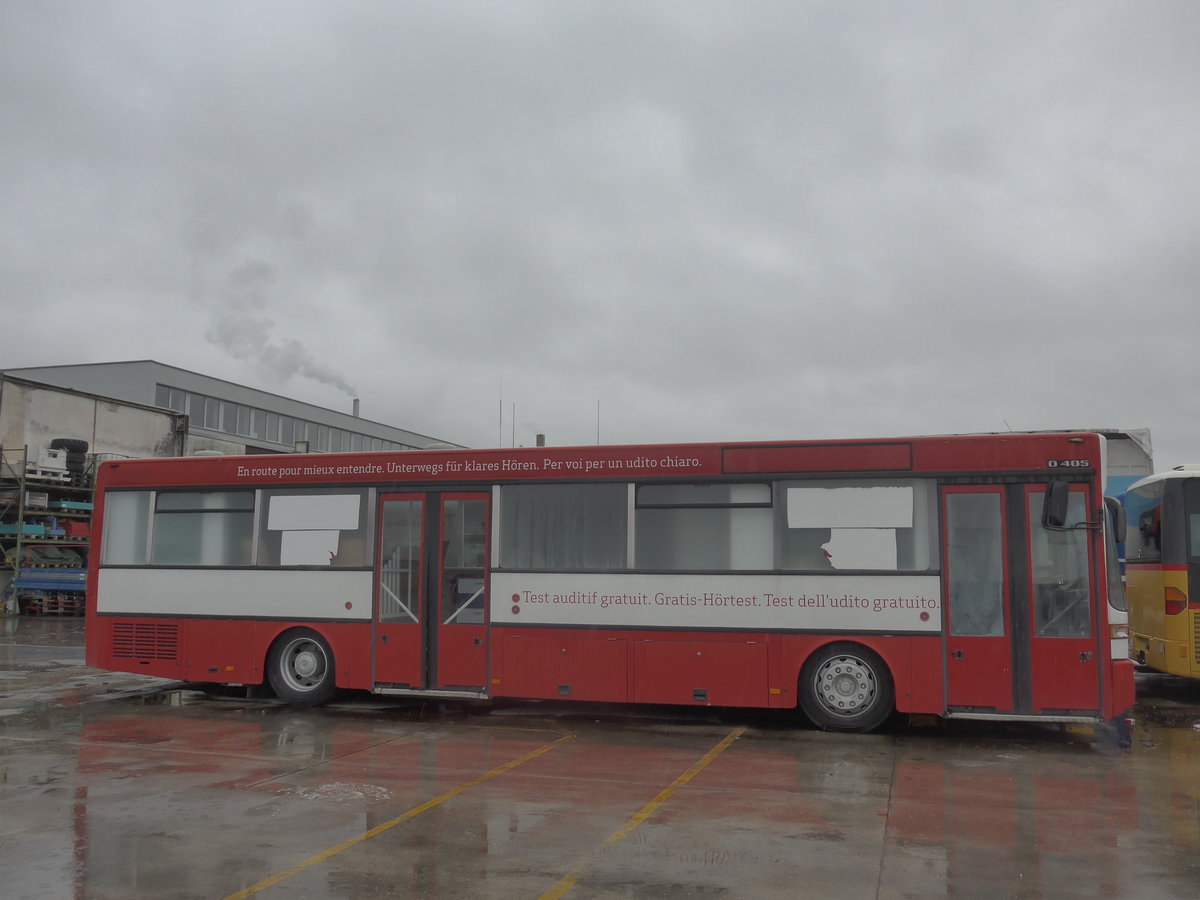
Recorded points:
(145, 641)
(1196, 635)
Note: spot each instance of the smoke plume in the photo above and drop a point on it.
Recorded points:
(241, 327)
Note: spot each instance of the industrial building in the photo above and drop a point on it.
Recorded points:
(226, 417)
(57, 422)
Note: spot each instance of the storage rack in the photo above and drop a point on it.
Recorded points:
(45, 528)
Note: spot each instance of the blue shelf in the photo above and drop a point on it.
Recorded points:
(50, 580)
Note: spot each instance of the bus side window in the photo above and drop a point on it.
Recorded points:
(804, 548)
(563, 527)
(313, 528)
(872, 525)
(1143, 508)
(714, 527)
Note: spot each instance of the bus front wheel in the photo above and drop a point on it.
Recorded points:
(846, 687)
(300, 668)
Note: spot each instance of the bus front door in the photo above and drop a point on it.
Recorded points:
(430, 604)
(1064, 648)
(400, 607)
(460, 643)
(1019, 604)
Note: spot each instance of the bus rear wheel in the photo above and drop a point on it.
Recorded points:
(300, 668)
(846, 687)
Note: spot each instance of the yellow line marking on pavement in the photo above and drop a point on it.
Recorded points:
(379, 829)
(568, 881)
(517, 729)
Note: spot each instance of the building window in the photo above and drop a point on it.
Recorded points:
(258, 423)
(196, 406)
(171, 398)
(251, 422)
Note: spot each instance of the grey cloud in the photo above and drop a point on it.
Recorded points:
(775, 219)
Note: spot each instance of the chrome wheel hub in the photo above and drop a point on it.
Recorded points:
(846, 686)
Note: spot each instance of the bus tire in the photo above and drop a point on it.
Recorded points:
(300, 668)
(846, 687)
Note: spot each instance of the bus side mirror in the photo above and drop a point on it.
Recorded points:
(1116, 512)
(1054, 509)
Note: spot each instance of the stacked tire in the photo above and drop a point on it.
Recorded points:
(76, 453)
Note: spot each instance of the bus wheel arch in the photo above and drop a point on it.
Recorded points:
(300, 668)
(846, 686)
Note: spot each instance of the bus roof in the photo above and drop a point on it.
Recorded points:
(1191, 470)
(1057, 452)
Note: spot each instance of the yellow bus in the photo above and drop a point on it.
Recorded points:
(1162, 569)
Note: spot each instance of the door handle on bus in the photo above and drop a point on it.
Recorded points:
(1085, 656)
(957, 654)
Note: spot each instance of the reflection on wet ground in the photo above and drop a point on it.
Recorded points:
(176, 794)
(42, 665)
(48, 631)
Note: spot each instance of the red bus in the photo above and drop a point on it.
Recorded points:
(849, 579)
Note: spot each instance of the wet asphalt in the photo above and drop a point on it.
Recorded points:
(119, 786)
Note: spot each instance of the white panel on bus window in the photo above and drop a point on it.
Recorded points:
(305, 512)
(863, 548)
(308, 548)
(850, 507)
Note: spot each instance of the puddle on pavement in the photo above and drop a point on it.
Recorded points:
(42, 631)
(170, 698)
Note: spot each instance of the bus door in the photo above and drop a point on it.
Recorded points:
(430, 628)
(399, 645)
(460, 643)
(1064, 649)
(1190, 538)
(1019, 604)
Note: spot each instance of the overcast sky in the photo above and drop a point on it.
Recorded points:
(626, 221)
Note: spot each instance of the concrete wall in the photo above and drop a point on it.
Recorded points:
(33, 415)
